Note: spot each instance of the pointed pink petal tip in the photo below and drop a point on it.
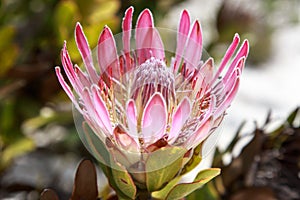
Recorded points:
(127, 19)
(105, 34)
(145, 19)
(247, 47)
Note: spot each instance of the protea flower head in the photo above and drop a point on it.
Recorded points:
(144, 113)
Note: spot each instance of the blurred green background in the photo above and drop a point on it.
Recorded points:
(36, 115)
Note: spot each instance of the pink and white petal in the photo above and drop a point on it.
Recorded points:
(226, 103)
(207, 70)
(230, 51)
(179, 118)
(101, 109)
(233, 68)
(203, 131)
(85, 53)
(67, 89)
(107, 54)
(82, 77)
(154, 119)
(210, 110)
(203, 78)
(148, 41)
(91, 114)
(69, 70)
(231, 89)
(200, 134)
(89, 108)
(193, 50)
(131, 114)
(182, 35)
(124, 140)
(126, 26)
(242, 53)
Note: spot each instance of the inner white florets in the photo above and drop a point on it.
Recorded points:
(153, 76)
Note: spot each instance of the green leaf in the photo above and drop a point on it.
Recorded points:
(8, 50)
(108, 173)
(183, 189)
(194, 160)
(65, 17)
(7, 34)
(162, 194)
(123, 180)
(18, 148)
(291, 118)
(207, 192)
(162, 166)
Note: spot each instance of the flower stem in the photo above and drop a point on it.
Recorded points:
(143, 195)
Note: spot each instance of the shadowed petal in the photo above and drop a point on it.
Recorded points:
(203, 131)
(154, 118)
(101, 109)
(193, 50)
(69, 70)
(124, 140)
(131, 114)
(182, 35)
(204, 78)
(85, 53)
(179, 118)
(230, 90)
(200, 134)
(148, 41)
(66, 88)
(207, 70)
(82, 77)
(107, 54)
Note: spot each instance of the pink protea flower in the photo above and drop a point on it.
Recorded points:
(136, 104)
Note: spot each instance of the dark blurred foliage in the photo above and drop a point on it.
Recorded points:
(267, 167)
(85, 184)
(255, 20)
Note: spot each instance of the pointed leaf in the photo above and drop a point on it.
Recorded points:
(162, 194)
(183, 189)
(194, 160)
(291, 118)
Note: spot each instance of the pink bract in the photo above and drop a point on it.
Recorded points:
(138, 103)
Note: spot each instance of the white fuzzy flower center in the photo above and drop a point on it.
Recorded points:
(150, 77)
